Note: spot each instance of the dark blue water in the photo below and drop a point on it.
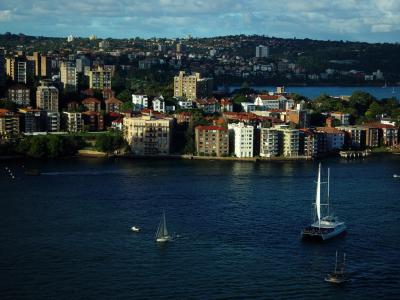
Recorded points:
(336, 91)
(65, 234)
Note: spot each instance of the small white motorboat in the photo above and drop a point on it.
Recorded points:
(135, 229)
(396, 176)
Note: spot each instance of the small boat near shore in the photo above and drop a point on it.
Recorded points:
(396, 176)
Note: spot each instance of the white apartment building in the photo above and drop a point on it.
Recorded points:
(140, 102)
(53, 121)
(74, 121)
(243, 136)
(262, 51)
(269, 142)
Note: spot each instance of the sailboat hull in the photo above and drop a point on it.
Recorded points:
(164, 239)
(322, 234)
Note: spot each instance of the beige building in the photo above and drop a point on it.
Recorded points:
(290, 142)
(100, 78)
(20, 69)
(148, 135)
(192, 86)
(212, 141)
(9, 123)
(73, 121)
(69, 76)
(47, 97)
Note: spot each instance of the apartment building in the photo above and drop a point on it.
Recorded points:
(47, 97)
(32, 120)
(334, 138)
(148, 134)
(92, 104)
(69, 76)
(113, 105)
(212, 141)
(262, 51)
(140, 102)
(269, 142)
(355, 136)
(100, 78)
(192, 86)
(308, 143)
(73, 121)
(290, 141)
(9, 123)
(20, 69)
(19, 94)
(93, 120)
(241, 137)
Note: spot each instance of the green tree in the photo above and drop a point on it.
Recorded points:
(361, 102)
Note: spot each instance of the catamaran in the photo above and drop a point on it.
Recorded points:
(162, 234)
(325, 227)
(338, 275)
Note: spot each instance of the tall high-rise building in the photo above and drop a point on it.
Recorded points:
(42, 64)
(100, 78)
(69, 76)
(20, 69)
(81, 63)
(47, 97)
(2, 68)
(262, 51)
(192, 86)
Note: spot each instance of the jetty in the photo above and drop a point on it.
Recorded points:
(353, 154)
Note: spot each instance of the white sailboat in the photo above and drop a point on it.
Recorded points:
(324, 227)
(162, 234)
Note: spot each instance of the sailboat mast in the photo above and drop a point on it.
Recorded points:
(336, 263)
(318, 196)
(329, 175)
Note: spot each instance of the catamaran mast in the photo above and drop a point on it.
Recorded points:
(336, 263)
(329, 172)
(318, 196)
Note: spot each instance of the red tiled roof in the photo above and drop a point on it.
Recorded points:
(379, 125)
(330, 130)
(91, 113)
(204, 128)
(91, 100)
(269, 97)
(113, 100)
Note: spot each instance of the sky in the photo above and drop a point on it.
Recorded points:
(353, 20)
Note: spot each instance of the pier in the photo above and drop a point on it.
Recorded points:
(354, 154)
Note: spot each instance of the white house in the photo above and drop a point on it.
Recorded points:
(242, 136)
(248, 106)
(185, 104)
(140, 102)
(159, 104)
